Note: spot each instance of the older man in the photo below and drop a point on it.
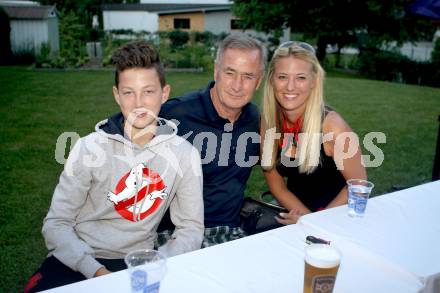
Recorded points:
(223, 125)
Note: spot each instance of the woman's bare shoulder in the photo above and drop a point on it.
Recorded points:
(333, 122)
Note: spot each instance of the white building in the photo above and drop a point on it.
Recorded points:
(135, 17)
(31, 25)
(420, 51)
(154, 17)
(197, 16)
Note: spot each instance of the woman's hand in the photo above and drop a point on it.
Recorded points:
(290, 217)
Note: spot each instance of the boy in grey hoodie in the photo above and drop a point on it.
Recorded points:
(119, 181)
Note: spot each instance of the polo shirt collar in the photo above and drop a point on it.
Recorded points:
(210, 111)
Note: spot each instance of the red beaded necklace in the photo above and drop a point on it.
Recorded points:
(295, 129)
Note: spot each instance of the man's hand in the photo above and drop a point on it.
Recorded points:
(101, 271)
(289, 218)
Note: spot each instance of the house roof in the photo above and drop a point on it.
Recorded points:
(29, 12)
(18, 2)
(166, 8)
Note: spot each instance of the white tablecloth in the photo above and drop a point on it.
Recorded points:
(382, 252)
(400, 228)
(267, 262)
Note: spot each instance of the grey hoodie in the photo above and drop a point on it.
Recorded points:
(112, 195)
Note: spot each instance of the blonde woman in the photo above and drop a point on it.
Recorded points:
(317, 150)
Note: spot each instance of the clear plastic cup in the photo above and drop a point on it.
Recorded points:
(358, 193)
(147, 269)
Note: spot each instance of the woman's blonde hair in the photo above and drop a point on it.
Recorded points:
(309, 146)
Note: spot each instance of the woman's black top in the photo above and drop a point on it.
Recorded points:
(315, 190)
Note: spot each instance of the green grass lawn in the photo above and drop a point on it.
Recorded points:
(37, 106)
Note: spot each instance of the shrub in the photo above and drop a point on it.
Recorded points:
(178, 39)
(174, 49)
(393, 66)
(435, 64)
(382, 65)
(42, 59)
(196, 56)
(162, 35)
(206, 38)
(58, 62)
(435, 56)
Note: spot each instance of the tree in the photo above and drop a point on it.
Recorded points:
(5, 41)
(73, 36)
(364, 23)
(435, 56)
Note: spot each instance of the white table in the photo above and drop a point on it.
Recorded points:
(267, 262)
(400, 228)
(273, 261)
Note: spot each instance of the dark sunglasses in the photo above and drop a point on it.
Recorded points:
(303, 45)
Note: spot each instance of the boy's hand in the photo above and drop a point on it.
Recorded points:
(101, 271)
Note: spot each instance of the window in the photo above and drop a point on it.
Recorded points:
(181, 23)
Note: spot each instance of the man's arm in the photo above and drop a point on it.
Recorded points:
(186, 208)
(58, 228)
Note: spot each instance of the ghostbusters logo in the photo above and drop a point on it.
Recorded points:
(138, 193)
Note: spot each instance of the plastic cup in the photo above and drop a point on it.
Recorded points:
(321, 265)
(147, 269)
(358, 193)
